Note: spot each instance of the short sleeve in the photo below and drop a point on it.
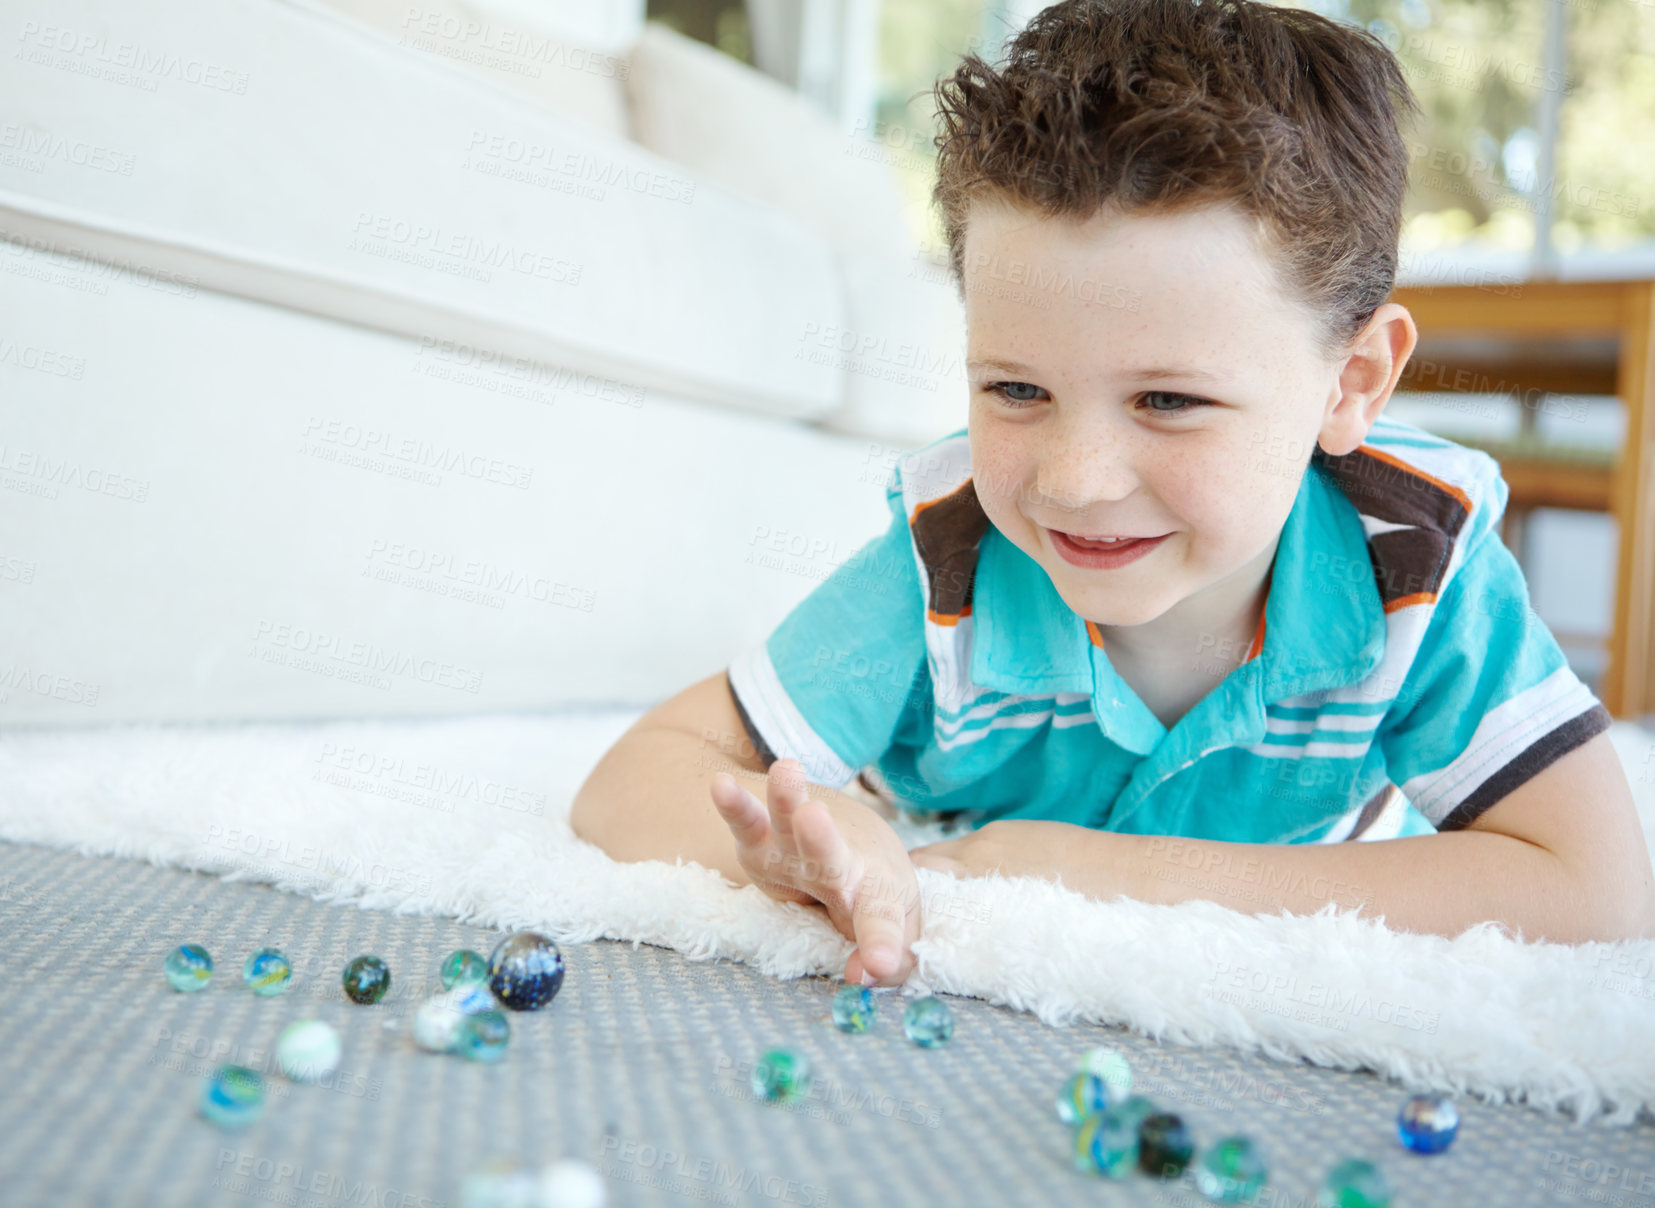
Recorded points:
(830, 685)
(1489, 701)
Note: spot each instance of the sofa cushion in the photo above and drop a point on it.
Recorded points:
(215, 509)
(284, 153)
(738, 128)
(534, 58)
(901, 349)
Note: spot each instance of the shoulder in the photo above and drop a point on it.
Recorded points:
(1425, 504)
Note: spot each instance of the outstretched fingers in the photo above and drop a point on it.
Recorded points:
(826, 861)
(742, 812)
(787, 790)
(884, 931)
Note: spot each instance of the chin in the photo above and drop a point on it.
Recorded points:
(1100, 609)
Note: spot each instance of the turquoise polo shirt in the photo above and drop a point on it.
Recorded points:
(1399, 683)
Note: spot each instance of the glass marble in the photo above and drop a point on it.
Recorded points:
(571, 1183)
(853, 1009)
(232, 1096)
(1137, 1109)
(1081, 1096)
(437, 1022)
(1106, 1143)
(525, 971)
(1233, 1169)
(366, 979)
(1110, 1066)
(1428, 1123)
(267, 972)
(1354, 1183)
(499, 1184)
(189, 968)
(463, 968)
(1165, 1146)
(928, 1022)
(307, 1051)
(483, 1036)
(781, 1076)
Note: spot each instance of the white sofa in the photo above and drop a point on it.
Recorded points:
(378, 359)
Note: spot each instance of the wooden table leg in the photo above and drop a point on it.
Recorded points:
(1629, 682)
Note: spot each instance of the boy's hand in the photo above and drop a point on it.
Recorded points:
(836, 853)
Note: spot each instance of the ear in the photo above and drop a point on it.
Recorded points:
(1372, 367)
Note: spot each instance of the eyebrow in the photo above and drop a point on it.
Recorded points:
(1154, 374)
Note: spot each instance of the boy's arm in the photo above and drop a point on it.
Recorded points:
(651, 798)
(1561, 857)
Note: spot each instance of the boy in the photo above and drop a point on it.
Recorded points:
(1179, 610)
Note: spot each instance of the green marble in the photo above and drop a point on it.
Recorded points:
(782, 1076)
(1354, 1183)
(1232, 1170)
(366, 979)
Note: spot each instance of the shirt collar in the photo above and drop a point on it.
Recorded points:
(1324, 627)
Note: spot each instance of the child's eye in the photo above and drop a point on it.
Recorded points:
(1014, 392)
(1178, 398)
(1019, 393)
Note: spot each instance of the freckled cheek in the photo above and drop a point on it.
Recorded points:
(999, 472)
(1209, 501)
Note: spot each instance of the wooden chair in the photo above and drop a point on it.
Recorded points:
(1547, 343)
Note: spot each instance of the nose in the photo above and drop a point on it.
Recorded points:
(1080, 468)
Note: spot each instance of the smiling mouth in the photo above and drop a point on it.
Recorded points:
(1104, 542)
(1103, 555)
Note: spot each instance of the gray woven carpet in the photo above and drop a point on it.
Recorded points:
(638, 1066)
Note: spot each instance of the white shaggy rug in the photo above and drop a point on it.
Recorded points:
(467, 818)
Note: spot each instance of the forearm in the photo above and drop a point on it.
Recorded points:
(650, 798)
(1435, 884)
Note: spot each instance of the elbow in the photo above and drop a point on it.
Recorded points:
(587, 817)
(1617, 913)
(1636, 920)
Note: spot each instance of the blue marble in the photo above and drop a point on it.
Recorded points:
(1081, 1096)
(928, 1022)
(366, 979)
(483, 1036)
(437, 1022)
(267, 972)
(232, 1096)
(1428, 1123)
(189, 968)
(525, 971)
(782, 1076)
(1106, 1143)
(853, 1009)
(464, 968)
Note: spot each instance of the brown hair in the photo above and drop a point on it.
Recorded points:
(1159, 105)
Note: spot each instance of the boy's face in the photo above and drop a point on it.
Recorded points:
(1099, 334)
